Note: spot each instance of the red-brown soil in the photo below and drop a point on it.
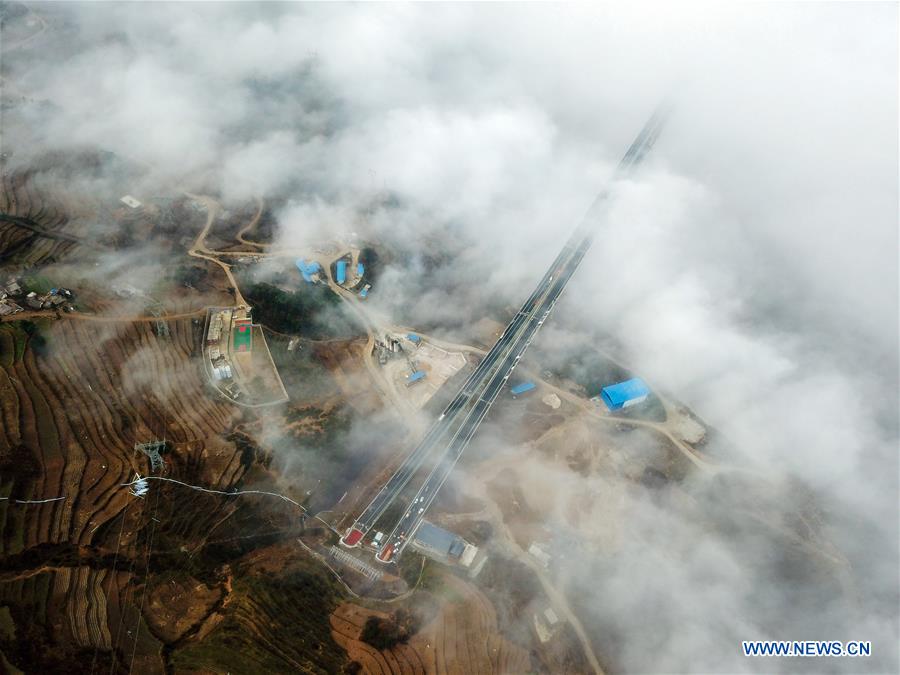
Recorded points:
(462, 638)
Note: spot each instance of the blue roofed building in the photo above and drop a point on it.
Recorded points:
(360, 269)
(625, 394)
(340, 271)
(309, 270)
(438, 543)
(412, 337)
(415, 377)
(522, 388)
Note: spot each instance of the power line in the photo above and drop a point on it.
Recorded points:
(231, 494)
(112, 580)
(140, 616)
(32, 501)
(122, 606)
(218, 492)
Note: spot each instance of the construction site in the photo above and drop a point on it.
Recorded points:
(415, 368)
(346, 269)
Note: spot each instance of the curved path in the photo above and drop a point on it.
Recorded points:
(252, 224)
(557, 598)
(6, 49)
(199, 250)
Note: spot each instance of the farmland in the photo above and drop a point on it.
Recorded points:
(33, 226)
(182, 579)
(462, 636)
(100, 575)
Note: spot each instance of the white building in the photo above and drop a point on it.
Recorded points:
(539, 554)
(551, 617)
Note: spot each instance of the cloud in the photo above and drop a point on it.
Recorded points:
(749, 269)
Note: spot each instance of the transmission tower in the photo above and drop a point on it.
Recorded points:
(153, 450)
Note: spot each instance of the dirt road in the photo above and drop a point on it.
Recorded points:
(557, 599)
(403, 408)
(199, 250)
(252, 224)
(78, 316)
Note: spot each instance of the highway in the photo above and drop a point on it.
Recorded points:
(452, 417)
(482, 399)
(448, 437)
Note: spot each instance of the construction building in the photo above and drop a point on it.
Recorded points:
(522, 388)
(310, 271)
(340, 272)
(625, 394)
(33, 301)
(8, 307)
(222, 371)
(218, 321)
(538, 553)
(442, 545)
(217, 344)
(546, 624)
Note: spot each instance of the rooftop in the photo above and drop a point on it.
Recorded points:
(439, 541)
(522, 388)
(617, 394)
(307, 269)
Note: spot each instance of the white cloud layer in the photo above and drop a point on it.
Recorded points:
(750, 269)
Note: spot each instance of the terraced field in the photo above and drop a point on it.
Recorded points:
(78, 410)
(69, 418)
(462, 638)
(34, 227)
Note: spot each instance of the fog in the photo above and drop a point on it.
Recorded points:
(748, 269)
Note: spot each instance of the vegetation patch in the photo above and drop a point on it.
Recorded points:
(15, 336)
(37, 283)
(384, 633)
(311, 311)
(512, 588)
(368, 256)
(272, 624)
(12, 344)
